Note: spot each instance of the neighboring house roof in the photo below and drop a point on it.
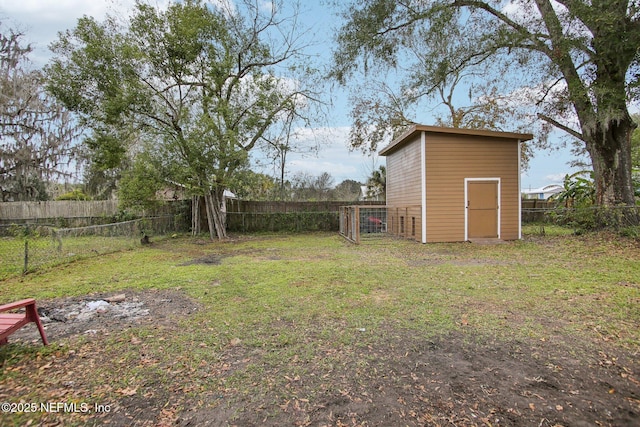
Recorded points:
(544, 192)
(178, 192)
(545, 189)
(415, 129)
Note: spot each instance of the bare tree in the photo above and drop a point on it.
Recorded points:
(36, 132)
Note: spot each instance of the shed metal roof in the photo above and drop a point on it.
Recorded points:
(415, 129)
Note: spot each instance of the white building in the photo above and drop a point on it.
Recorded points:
(542, 193)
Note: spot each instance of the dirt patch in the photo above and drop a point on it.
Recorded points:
(103, 313)
(207, 260)
(404, 379)
(447, 381)
(435, 261)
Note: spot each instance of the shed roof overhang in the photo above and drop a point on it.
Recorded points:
(416, 129)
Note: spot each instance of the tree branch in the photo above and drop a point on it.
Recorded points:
(538, 44)
(560, 126)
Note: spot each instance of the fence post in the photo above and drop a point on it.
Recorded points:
(357, 227)
(26, 257)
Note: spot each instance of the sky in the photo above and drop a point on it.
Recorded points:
(41, 20)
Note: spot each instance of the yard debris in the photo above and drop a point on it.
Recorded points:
(97, 314)
(116, 298)
(128, 391)
(86, 310)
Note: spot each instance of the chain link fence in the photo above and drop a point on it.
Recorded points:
(27, 247)
(622, 219)
(295, 222)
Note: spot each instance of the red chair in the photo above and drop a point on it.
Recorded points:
(11, 322)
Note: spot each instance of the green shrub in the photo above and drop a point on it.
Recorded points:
(76, 194)
(632, 231)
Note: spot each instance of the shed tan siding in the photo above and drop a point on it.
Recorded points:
(403, 175)
(404, 221)
(404, 192)
(453, 157)
(449, 160)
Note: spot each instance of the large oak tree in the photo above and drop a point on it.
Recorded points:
(581, 57)
(200, 84)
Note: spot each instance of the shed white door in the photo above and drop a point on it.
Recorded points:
(482, 209)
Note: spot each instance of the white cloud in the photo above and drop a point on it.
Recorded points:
(48, 9)
(556, 177)
(546, 168)
(526, 12)
(520, 11)
(316, 167)
(42, 20)
(266, 6)
(320, 134)
(227, 7)
(333, 156)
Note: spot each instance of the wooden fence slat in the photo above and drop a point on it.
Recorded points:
(57, 209)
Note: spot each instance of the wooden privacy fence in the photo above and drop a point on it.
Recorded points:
(57, 209)
(534, 210)
(244, 206)
(81, 213)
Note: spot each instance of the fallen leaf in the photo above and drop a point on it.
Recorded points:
(129, 391)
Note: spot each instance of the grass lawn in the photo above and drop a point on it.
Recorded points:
(312, 330)
(43, 252)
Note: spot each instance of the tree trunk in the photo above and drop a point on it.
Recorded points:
(609, 146)
(215, 215)
(601, 105)
(195, 216)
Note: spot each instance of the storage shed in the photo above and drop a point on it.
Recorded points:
(454, 185)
